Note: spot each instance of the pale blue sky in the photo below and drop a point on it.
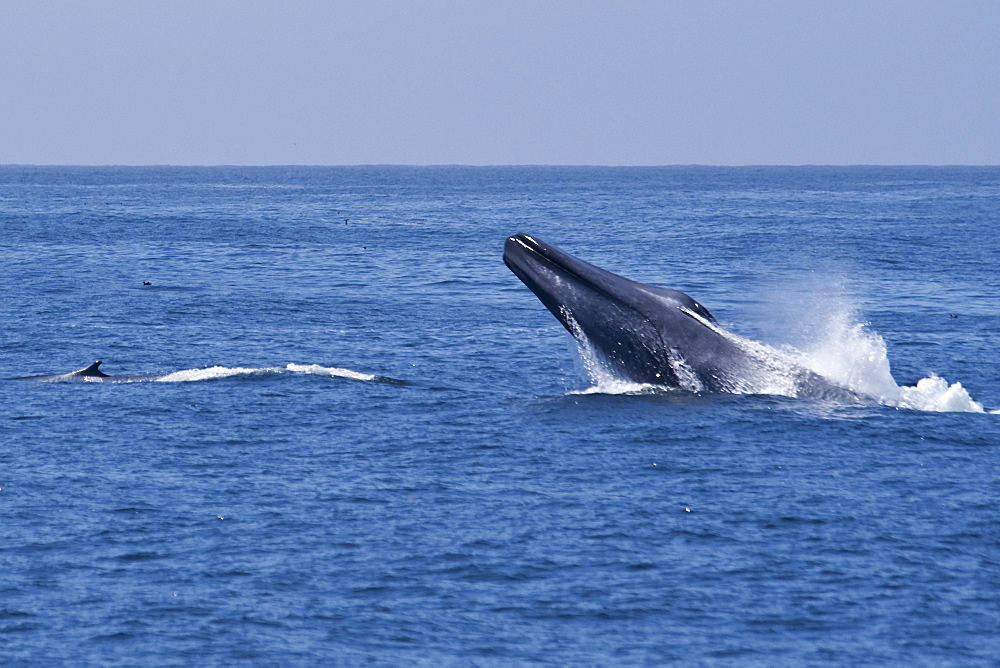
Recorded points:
(511, 82)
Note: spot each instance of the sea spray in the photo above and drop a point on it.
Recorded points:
(851, 355)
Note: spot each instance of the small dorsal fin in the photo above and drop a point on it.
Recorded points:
(684, 300)
(91, 370)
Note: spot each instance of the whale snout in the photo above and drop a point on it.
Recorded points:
(518, 247)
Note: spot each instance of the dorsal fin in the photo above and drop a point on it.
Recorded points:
(91, 370)
(684, 300)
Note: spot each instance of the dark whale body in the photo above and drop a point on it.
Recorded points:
(653, 335)
(90, 374)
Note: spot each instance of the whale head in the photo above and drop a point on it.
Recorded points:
(643, 333)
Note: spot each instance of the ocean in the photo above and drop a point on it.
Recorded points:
(359, 439)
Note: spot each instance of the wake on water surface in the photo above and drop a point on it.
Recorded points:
(216, 372)
(220, 372)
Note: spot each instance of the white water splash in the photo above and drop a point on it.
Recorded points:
(935, 394)
(211, 373)
(686, 376)
(335, 372)
(603, 379)
(854, 357)
(217, 372)
(845, 352)
(774, 373)
(615, 386)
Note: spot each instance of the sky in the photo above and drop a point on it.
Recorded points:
(556, 82)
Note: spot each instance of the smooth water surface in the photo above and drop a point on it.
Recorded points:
(375, 445)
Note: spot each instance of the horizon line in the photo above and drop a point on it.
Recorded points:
(488, 165)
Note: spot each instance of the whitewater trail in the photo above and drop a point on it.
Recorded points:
(217, 372)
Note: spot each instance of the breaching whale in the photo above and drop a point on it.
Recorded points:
(653, 335)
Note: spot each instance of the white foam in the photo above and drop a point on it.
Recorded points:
(216, 372)
(616, 386)
(212, 373)
(935, 394)
(317, 370)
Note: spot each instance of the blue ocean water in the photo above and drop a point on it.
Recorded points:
(374, 444)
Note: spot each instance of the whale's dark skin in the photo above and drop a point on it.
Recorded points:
(653, 335)
(90, 374)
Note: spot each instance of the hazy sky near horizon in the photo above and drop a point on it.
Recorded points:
(639, 82)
